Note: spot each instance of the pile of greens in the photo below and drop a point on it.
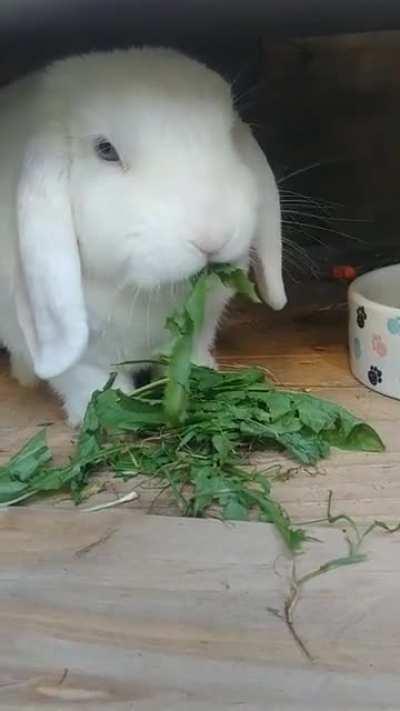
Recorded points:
(194, 430)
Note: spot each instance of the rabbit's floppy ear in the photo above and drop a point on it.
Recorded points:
(49, 296)
(268, 237)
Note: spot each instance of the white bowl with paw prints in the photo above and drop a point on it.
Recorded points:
(374, 330)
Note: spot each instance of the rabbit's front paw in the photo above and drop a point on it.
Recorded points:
(22, 371)
(77, 385)
(75, 412)
(206, 360)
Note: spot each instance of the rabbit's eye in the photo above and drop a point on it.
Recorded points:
(106, 151)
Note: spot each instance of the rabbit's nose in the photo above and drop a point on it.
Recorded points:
(210, 246)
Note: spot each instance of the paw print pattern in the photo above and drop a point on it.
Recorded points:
(374, 375)
(393, 326)
(378, 346)
(361, 316)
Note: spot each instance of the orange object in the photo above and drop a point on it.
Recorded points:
(344, 271)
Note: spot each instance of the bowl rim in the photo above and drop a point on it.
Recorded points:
(355, 294)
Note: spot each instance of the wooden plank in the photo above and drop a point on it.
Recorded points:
(300, 371)
(145, 612)
(153, 613)
(255, 331)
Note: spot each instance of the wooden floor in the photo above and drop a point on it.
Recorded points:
(126, 610)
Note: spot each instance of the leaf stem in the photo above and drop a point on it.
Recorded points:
(150, 386)
(27, 495)
(123, 500)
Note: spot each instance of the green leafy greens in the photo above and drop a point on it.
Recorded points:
(194, 430)
(184, 326)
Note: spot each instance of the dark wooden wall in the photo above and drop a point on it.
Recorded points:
(335, 102)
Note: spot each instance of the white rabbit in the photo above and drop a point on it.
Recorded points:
(122, 174)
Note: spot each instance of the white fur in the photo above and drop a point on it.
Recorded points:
(94, 254)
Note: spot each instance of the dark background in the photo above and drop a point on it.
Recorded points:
(323, 103)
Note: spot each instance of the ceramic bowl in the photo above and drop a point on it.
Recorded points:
(374, 330)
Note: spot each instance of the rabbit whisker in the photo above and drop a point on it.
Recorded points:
(325, 229)
(330, 219)
(321, 201)
(304, 169)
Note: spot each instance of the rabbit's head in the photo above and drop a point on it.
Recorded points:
(137, 174)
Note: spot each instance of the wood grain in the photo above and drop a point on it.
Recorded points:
(122, 610)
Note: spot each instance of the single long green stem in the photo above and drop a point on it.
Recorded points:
(150, 386)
